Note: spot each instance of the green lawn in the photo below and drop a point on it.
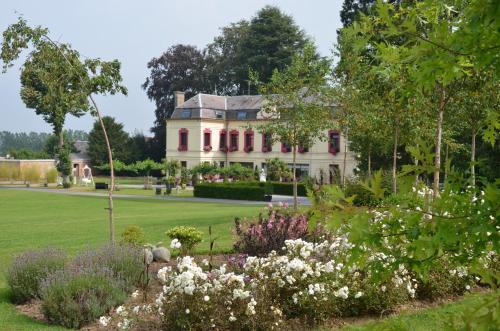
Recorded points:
(37, 219)
(425, 320)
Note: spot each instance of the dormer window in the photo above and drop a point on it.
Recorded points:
(242, 115)
(219, 114)
(186, 114)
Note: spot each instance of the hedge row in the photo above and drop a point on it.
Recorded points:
(254, 191)
(281, 188)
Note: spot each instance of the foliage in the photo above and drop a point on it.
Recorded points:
(133, 235)
(297, 103)
(64, 164)
(51, 176)
(27, 154)
(29, 269)
(73, 298)
(277, 170)
(22, 140)
(97, 149)
(188, 236)
(268, 234)
(177, 69)
(234, 191)
(123, 263)
(362, 196)
(281, 188)
(31, 174)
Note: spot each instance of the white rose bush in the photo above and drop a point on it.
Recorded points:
(367, 264)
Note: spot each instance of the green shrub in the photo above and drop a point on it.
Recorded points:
(66, 185)
(133, 235)
(75, 298)
(254, 191)
(29, 269)
(363, 197)
(188, 236)
(286, 188)
(51, 176)
(31, 174)
(443, 280)
(124, 261)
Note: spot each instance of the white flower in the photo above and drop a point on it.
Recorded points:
(135, 310)
(103, 320)
(175, 243)
(206, 298)
(343, 292)
(383, 288)
(188, 311)
(232, 318)
(467, 287)
(121, 311)
(358, 295)
(124, 324)
(135, 294)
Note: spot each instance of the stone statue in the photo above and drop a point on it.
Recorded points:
(262, 176)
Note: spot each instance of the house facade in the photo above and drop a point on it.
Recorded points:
(220, 129)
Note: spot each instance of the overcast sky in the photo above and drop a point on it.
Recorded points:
(134, 32)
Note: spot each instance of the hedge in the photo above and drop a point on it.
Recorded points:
(254, 191)
(287, 188)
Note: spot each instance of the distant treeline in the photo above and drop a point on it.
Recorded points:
(15, 142)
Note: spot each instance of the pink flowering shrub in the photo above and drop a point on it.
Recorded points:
(270, 233)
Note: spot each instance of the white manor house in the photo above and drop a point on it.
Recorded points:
(218, 129)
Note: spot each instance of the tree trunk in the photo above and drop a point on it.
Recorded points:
(446, 153)
(439, 134)
(60, 135)
(369, 162)
(345, 158)
(394, 160)
(294, 179)
(111, 171)
(473, 158)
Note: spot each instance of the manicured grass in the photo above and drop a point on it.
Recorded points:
(435, 318)
(36, 219)
(132, 191)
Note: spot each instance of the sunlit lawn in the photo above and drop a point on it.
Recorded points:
(36, 219)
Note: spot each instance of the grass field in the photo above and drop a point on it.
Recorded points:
(36, 219)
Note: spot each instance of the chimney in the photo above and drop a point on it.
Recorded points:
(178, 98)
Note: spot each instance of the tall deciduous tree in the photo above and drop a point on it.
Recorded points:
(180, 68)
(298, 108)
(95, 76)
(442, 42)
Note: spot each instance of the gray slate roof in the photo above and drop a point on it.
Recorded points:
(206, 105)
